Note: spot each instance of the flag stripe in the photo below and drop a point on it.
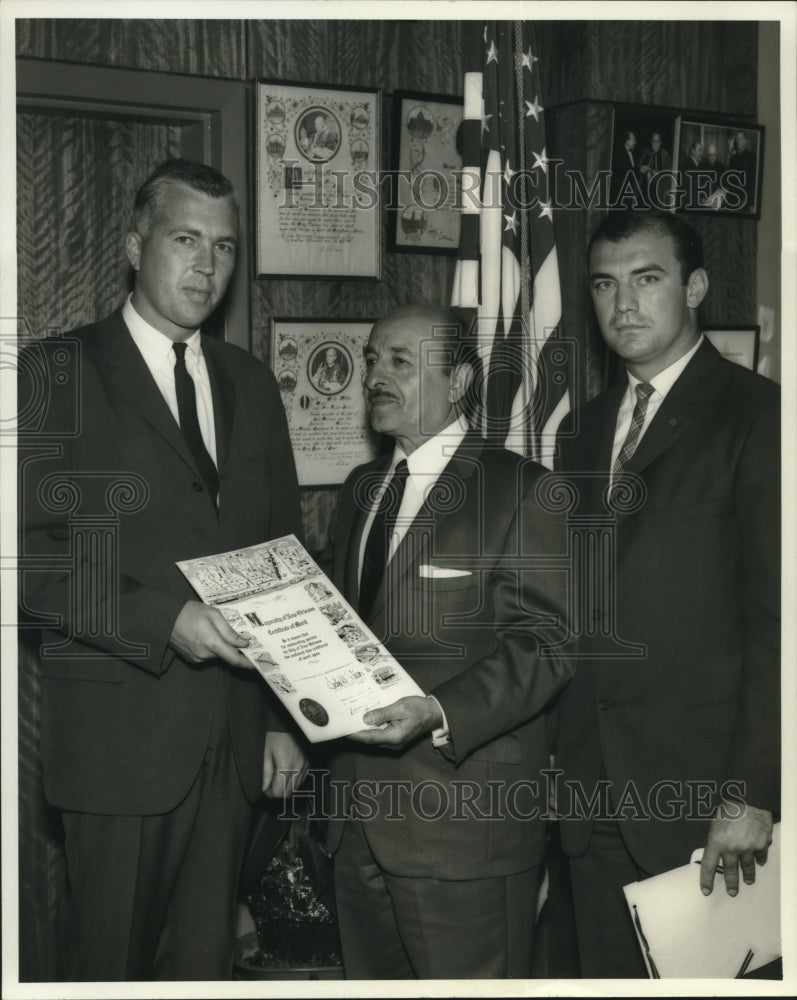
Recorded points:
(509, 248)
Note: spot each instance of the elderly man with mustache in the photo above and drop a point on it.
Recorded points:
(439, 833)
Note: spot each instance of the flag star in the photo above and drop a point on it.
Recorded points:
(540, 160)
(529, 59)
(486, 123)
(492, 53)
(534, 109)
(511, 223)
(546, 210)
(509, 173)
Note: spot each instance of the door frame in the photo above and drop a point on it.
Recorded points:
(213, 116)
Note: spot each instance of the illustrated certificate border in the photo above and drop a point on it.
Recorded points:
(319, 367)
(317, 169)
(428, 169)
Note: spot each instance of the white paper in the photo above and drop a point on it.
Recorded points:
(690, 935)
(317, 655)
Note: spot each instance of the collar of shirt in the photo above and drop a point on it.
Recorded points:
(156, 347)
(429, 460)
(424, 465)
(662, 383)
(159, 357)
(665, 380)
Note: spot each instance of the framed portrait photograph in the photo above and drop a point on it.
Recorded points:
(736, 343)
(317, 182)
(424, 214)
(319, 367)
(643, 154)
(720, 165)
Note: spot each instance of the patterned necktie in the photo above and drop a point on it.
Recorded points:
(643, 393)
(376, 548)
(189, 423)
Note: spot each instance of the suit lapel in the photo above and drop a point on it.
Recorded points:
(678, 409)
(351, 530)
(418, 540)
(223, 391)
(131, 378)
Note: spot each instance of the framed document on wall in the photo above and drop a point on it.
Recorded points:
(319, 367)
(427, 171)
(736, 343)
(317, 181)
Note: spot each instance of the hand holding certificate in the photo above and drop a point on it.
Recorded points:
(318, 657)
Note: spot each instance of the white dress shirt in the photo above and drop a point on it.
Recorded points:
(157, 351)
(425, 466)
(662, 383)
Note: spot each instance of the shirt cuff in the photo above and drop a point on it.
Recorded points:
(441, 736)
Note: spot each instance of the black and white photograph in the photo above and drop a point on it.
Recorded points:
(643, 149)
(395, 511)
(721, 166)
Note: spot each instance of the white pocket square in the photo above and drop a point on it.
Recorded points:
(430, 572)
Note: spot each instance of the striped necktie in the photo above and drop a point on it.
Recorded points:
(643, 393)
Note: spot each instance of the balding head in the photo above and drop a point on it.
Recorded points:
(413, 373)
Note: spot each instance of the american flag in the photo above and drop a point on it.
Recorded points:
(507, 266)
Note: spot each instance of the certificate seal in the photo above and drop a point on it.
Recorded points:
(313, 712)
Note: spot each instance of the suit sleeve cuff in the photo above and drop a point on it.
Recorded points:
(441, 736)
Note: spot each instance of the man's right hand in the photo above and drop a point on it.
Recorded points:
(202, 633)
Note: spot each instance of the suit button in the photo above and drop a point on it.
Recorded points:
(603, 704)
(198, 487)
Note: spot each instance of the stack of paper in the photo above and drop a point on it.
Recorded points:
(683, 933)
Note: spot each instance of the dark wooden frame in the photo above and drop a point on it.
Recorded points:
(401, 158)
(265, 134)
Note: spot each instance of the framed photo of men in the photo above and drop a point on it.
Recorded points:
(720, 165)
(643, 157)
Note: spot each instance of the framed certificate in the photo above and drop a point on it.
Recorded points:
(736, 343)
(317, 182)
(427, 171)
(319, 367)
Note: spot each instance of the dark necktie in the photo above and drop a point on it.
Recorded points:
(189, 423)
(643, 393)
(376, 547)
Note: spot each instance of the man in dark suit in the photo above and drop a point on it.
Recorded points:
(439, 837)
(669, 731)
(166, 445)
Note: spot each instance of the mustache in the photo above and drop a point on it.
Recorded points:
(377, 394)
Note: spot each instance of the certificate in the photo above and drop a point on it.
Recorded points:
(317, 181)
(319, 367)
(318, 657)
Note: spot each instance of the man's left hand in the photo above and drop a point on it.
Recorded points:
(402, 722)
(735, 838)
(285, 765)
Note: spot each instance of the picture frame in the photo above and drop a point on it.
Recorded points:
(318, 155)
(678, 160)
(736, 343)
(643, 157)
(727, 181)
(424, 213)
(319, 367)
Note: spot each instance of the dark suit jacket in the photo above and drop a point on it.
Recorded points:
(697, 584)
(488, 645)
(125, 721)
